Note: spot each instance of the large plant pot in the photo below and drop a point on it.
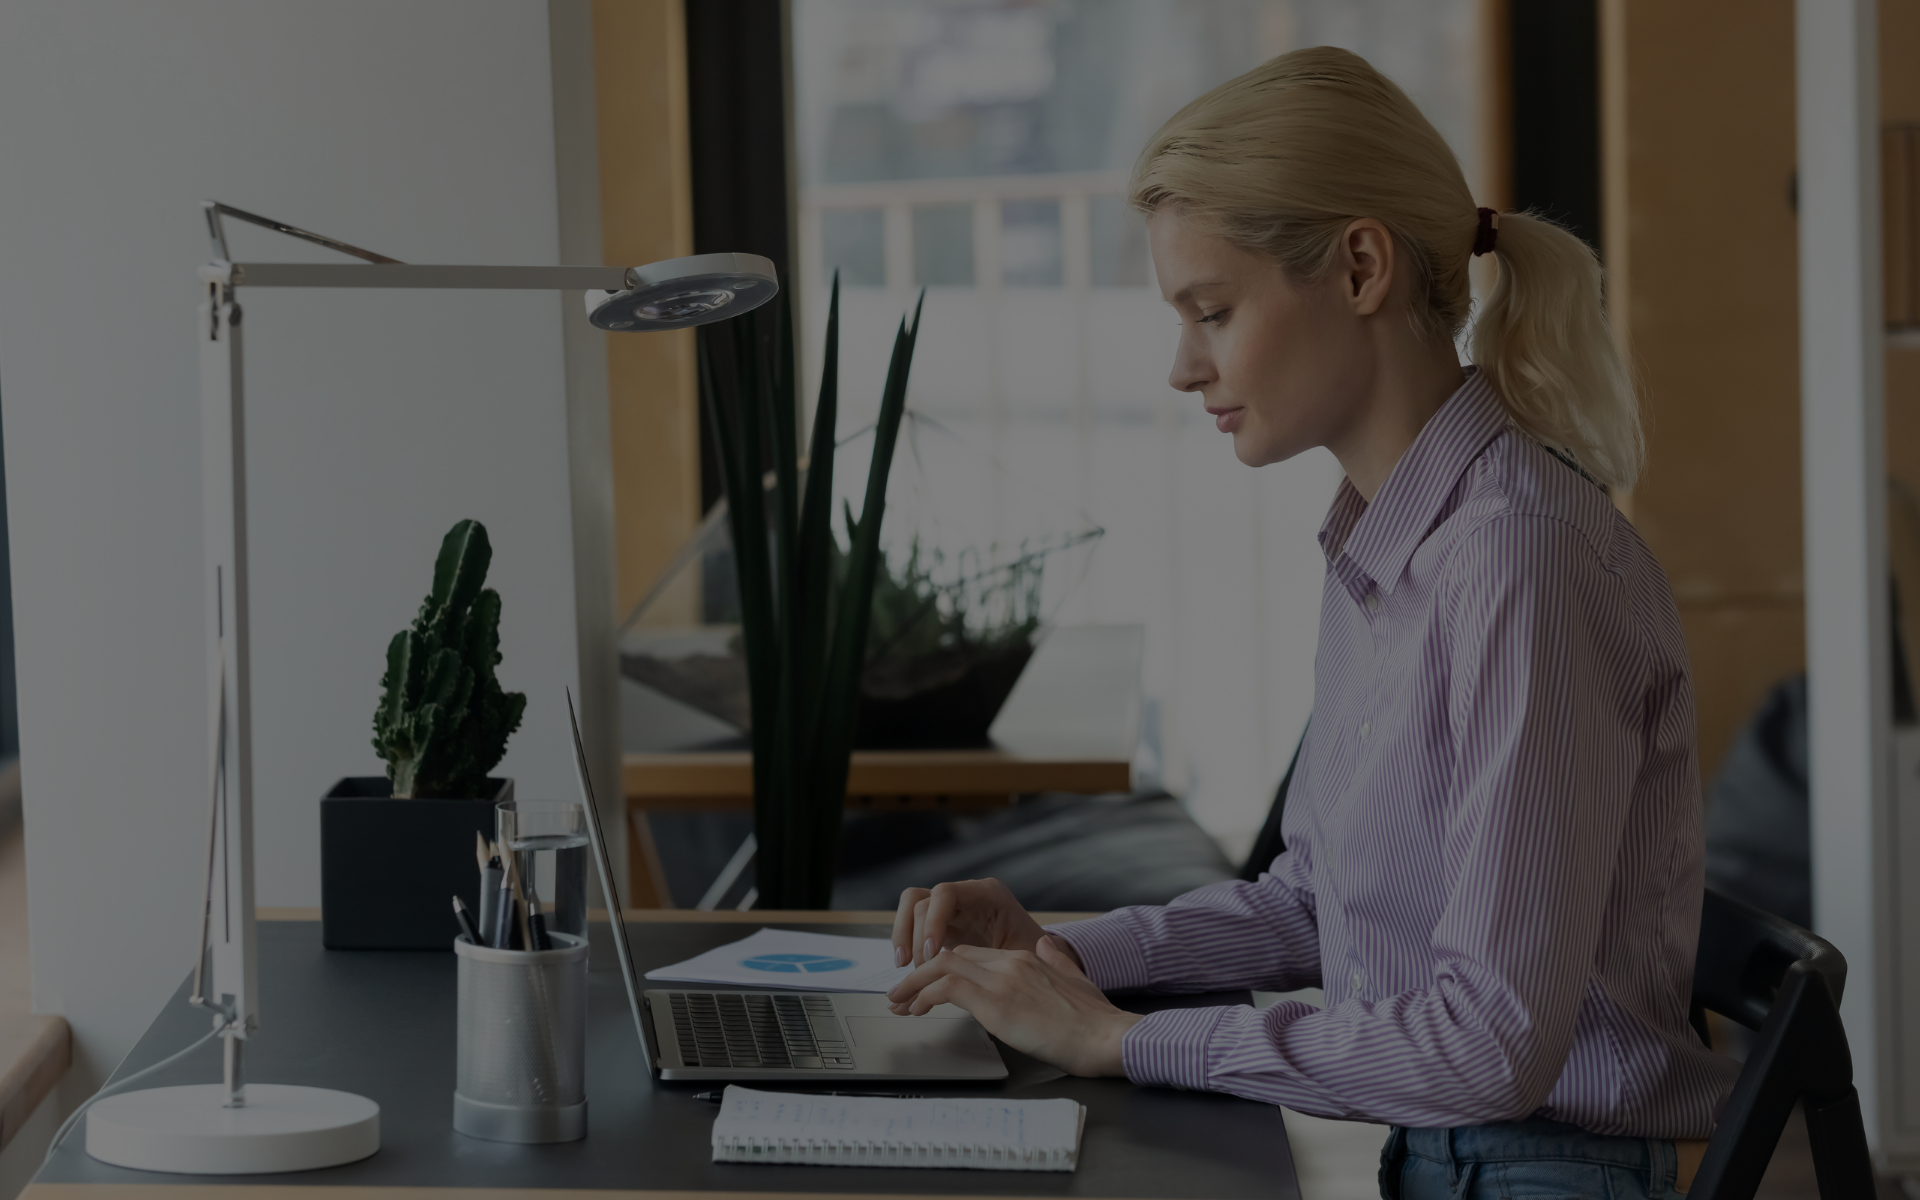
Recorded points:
(945, 699)
(937, 700)
(389, 869)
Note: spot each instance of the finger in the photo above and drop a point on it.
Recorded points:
(932, 935)
(918, 978)
(1054, 951)
(915, 954)
(972, 962)
(934, 994)
(903, 925)
(957, 990)
(963, 962)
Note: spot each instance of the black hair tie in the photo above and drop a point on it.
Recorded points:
(1487, 234)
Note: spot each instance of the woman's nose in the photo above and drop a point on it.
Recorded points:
(1192, 367)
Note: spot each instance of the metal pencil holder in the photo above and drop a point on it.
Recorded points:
(523, 1042)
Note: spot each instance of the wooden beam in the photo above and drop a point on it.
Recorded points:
(1494, 187)
(1697, 126)
(646, 214)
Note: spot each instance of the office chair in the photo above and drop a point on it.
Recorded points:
(1770, 976)
(1777, 979)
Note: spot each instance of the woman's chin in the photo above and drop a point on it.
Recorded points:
(1255, 451)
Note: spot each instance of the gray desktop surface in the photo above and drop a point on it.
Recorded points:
(381, 1023)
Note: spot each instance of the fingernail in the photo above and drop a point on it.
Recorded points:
(899, 956)
(926, 947)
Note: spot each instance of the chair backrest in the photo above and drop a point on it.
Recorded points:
(1744, 955)
(1784, 983)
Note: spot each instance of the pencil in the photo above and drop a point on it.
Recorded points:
(519, 901)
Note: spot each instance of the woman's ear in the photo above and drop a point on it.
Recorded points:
(1366, 252)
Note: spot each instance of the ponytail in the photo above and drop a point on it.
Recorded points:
(1542, 339)
(1281, 160)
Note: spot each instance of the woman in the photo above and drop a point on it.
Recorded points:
(1493, 862)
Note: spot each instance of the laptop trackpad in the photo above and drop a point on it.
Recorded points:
(929, 1047)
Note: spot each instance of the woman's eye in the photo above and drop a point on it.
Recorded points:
(1215, 317)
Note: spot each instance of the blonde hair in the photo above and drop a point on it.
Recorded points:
(1281, 160)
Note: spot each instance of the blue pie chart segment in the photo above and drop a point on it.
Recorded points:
(796, 964)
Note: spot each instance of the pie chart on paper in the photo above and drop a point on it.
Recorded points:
(796, 964)
(791, 960)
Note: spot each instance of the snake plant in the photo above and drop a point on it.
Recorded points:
(805, 631)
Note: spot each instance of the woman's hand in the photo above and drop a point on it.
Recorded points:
(975, 912)
(1036, 1001)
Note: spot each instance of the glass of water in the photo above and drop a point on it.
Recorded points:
(548, 839)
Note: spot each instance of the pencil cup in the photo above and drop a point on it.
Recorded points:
(522, 1058)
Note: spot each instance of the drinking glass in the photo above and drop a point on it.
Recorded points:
(548, 839)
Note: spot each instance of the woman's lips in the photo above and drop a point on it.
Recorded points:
(1226, 420)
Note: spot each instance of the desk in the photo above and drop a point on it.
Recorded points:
(381, 1023)
(1070, 725)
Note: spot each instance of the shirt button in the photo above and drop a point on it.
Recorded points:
(1366, 727)
(1359, 981)
(1373, 601)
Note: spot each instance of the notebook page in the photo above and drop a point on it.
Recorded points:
(983, 1131)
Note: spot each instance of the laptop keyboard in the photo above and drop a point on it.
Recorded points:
(759, 1030)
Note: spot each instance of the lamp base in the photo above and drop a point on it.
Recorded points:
(189, 1130)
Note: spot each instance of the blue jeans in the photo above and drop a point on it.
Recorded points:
(1535, 1159)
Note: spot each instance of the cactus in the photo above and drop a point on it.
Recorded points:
(443, 721)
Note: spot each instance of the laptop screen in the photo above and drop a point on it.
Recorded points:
(585, 780)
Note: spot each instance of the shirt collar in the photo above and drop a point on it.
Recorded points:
(1380, 537)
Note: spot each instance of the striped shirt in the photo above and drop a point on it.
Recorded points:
(1493, 863)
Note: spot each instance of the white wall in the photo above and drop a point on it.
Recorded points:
(423, 130)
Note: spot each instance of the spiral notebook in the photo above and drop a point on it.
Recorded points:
(984, 1132)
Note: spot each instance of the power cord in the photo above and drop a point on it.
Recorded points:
(67, 1126)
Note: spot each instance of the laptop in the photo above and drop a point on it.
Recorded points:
(767, 1035)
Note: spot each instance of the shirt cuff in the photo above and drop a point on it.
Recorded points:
(1109, 953)
(1169, 1048)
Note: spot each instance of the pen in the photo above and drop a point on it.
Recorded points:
(536, 924)
(715, 1097)
(466, 921)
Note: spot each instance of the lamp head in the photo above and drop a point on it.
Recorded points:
(683, 292)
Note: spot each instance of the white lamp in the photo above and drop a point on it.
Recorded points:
(233, 1127)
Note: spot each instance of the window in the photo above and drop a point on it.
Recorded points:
(980, 148)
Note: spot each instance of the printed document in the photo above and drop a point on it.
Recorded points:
(784, 959)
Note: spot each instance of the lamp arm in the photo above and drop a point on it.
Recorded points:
(224, 1013)
(215, 210)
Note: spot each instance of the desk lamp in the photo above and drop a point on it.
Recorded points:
(233, 1127)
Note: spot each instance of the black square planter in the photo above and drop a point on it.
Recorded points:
(389, 869)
